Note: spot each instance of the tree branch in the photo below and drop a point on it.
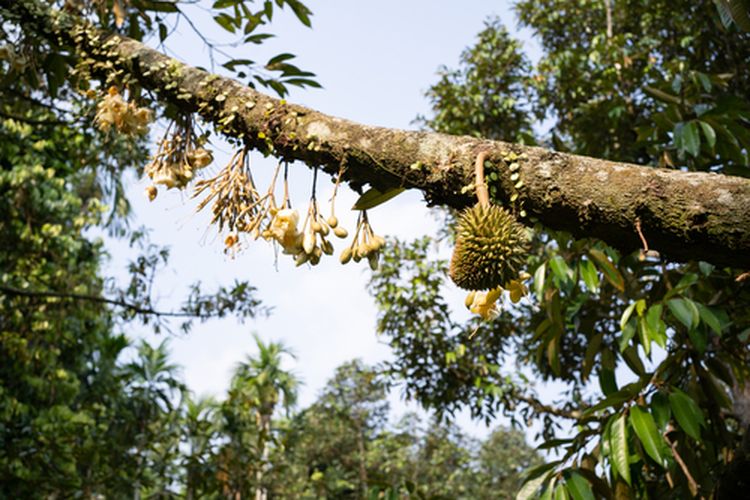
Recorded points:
(95, 298)
(685, 216)
(540, 407)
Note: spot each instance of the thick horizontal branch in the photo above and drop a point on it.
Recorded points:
(685, 216)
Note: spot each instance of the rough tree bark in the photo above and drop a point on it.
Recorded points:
(685, 216)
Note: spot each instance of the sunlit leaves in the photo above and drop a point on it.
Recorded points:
(687, 413)
(535, 478)
(687, 138)
(578, 487)
(618, 447)
(610, 271)
(589, 275)
(685, 311)
(645, 428)
(374, 197)
(238, 17)
(562, 272)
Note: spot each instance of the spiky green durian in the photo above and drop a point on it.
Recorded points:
(491, 247)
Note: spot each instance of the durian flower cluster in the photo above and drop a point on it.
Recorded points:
(179, 155)
(365, 245)
(311, 242)
(484, 303)
(112, 112)
(237, 205)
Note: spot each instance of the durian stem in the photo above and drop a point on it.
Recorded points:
(483, 194)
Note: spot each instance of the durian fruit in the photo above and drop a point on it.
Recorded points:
(491, 245)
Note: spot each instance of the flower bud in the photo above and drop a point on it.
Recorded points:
(151, 192)
(346, 255)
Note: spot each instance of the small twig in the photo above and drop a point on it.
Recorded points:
(93, 298)
(472, 334)
(691, 481)
(314, 183)
(640, 235)
(483, 194)
(645, 252)
(543, 408)
(286, 201)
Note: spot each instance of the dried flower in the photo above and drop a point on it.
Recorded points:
(179, 156)
(484, 303)
(125, 117)
(151, 192)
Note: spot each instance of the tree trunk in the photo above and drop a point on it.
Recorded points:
(685, 216)
(361, 451)
(265, 432)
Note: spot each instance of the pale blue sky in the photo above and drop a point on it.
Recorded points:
(375, 61)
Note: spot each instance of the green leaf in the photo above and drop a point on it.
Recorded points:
(618, 445)
(699, 339)
(685, 311)
(633, 360)
(709, 318)
(592, 349)
(614, 399)
(561, 269)
(687, 413)
(589, 275)
(279, 59)
(709, 132)
(607, 382)
(660, 409)
(645, 428)
(628, 332)
(609, 270)
(661, 95)
(258, 38)
(302, 12)
(691, 139)
(536, 477)
(553, 443)
(724, 13)
(561, 493)
(157, 6)
(553, 354)
(539, 276)
(226, 22)
(644, 335)
(657, 329)
(303, 82)
(626, 315)
(706, 268)
(220, 4)
(738, 12)
(578, 487)
(374, 197)
(162, 32)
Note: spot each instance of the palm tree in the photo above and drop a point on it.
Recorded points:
(260, 385)
(154, 390)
